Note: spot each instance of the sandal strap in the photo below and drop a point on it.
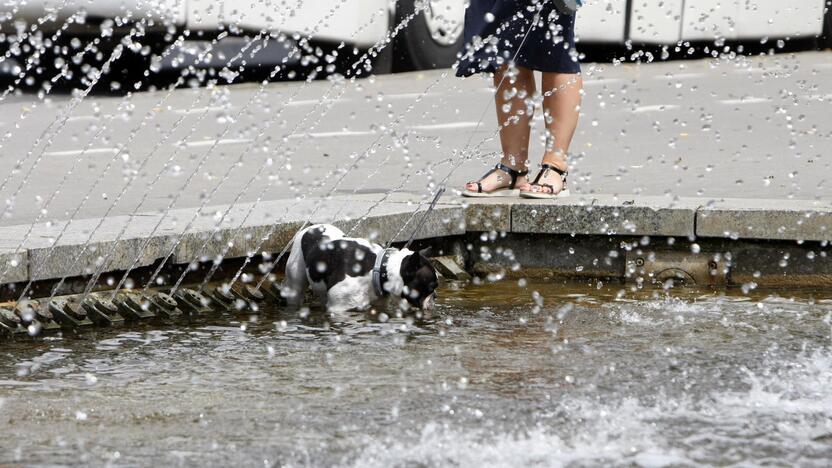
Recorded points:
(479, 182)
(513, 173)
(510, 171)
(556, 169)
(548, 167)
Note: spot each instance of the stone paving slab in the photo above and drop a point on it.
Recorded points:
(84, 246)
(390, 217)
(607, 215)
(398, 226)
(489, 214)
(239, 230)
(14, 265)
(766, 219)
(644, 143)
(81, 247)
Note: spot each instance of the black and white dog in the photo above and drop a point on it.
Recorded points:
(352, 274)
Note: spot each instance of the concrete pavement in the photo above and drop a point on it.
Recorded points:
(750, 128)
(734, 149)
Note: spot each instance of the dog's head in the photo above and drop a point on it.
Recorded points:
(420, 280)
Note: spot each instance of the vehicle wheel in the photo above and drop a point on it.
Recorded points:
(375, 62)
(432, 38)
(826, 37)
(383, 61)
(79, 71)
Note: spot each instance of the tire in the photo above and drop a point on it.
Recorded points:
(124, 72)
(383, 61)
(826, 36)
(416, 48)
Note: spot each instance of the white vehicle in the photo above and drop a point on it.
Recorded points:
(674, 21)
(426, 33)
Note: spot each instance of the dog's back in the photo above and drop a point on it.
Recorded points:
(304, 242)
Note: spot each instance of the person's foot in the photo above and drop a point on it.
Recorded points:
(550, 182)
(500, 181)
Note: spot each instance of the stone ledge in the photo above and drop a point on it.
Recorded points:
(51, 251)
(14, 265)
(607, 216)
(444, 221)
(766, 219)
(489, 214)
(84, 246)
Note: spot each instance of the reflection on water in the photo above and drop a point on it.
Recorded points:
(496, 379)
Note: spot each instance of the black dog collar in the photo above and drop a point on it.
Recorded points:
(380, 272)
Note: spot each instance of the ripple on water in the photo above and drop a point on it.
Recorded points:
(784, 415)
(588, 378)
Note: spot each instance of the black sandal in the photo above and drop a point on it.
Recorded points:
(544, 168)
(509, 191)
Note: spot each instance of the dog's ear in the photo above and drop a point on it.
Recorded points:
(425, 252)
(410, 265)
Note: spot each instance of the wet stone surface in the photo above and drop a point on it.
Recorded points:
(766, 219)
(607, 215)
(532, 375)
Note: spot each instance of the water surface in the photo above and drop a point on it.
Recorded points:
(544, 375)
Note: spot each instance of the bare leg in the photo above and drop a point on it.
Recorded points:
(561, 108)
(514, 114)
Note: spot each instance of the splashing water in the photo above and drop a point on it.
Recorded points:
(141, 111)
(488, 383)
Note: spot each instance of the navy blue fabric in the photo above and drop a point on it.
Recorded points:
(494, 30)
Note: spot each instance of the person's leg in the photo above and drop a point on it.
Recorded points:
(514, 115)
(561, 108)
